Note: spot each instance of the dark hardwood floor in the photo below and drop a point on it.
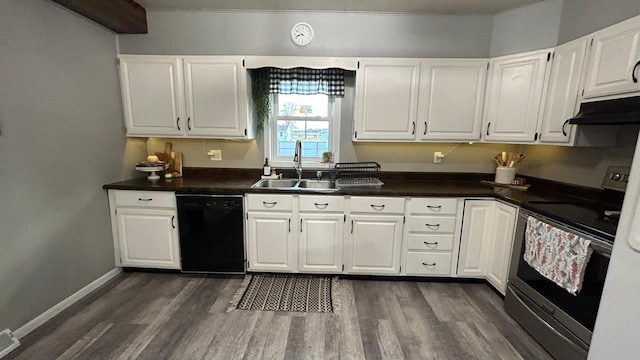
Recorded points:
(143, 315)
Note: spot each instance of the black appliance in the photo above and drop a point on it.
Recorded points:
(211, 233)
(624, 111)
(561, 322)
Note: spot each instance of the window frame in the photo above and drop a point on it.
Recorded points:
(271, 135)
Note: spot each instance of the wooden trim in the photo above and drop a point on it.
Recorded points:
(121, 16)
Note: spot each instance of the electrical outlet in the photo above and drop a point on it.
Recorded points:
(215, 155)
(437, 157)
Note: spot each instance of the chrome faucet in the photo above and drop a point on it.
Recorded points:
(297, 159)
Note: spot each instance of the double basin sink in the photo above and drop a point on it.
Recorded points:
(295, 184)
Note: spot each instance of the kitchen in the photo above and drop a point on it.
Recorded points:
(44, 254)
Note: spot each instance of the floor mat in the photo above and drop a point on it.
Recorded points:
(289, 292)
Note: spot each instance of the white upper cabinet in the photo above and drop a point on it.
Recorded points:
(514, 95)
(198, 96)
(614, 62)
(386, 100)
(451, 99)
(152, 95)
(215, 89)
(563, 92)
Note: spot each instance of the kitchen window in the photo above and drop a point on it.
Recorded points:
(312, 119)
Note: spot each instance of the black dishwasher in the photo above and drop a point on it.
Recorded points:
(211, 233)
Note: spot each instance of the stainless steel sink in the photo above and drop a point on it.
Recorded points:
(275, 183)
(317, 184)
(295, 184)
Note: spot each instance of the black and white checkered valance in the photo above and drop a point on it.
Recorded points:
(306, 81)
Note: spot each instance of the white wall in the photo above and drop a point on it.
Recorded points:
(61, 139)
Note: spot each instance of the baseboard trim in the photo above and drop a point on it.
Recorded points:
(62, 305)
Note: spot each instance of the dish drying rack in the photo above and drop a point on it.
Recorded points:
(357, 174)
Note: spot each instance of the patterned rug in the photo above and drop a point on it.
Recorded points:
(288, 292)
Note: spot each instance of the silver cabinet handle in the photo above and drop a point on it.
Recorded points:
(172, 223)
(430, 243)
(429, 265)
(433, 226)
(269, 204)
(321, 205)
(377, 207)
(431, 207)
(145, 199)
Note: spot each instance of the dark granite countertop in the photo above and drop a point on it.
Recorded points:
(467, 185)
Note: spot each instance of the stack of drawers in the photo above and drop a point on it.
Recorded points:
(430, 238)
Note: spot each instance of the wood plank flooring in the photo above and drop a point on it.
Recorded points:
(156, 316)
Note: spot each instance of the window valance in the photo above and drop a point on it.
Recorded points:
(306, 81)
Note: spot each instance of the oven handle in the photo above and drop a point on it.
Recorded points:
(601, 247)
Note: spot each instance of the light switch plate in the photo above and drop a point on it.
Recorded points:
(215, 155)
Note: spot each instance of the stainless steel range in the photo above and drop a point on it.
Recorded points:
(559, 320)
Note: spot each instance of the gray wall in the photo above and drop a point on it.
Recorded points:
(61, 139)
(527, 28)
(582, 17)
(337, 34)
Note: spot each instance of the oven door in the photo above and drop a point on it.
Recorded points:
(572, 315)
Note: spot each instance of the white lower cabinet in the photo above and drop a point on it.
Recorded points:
(486, 241)
(270, 240)
(145, 229)
(432, 233)
(321, 242)
(375, 236)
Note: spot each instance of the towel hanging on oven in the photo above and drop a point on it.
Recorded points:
(558, 255)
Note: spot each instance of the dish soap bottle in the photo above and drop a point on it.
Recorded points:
(266, 168)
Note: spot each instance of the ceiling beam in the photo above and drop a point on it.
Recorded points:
(121, 16)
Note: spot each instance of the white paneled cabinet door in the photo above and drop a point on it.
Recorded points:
(476, 227)
(216, 100)
(321, 243)
(563, 92)
(152, 95)
(514, 97)
(386, 99)
(269, 242)
(148, 238)
(614, 61)
(374, 244)
(451, 99)
(500, 247)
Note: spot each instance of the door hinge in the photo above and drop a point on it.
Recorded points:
(342, 267)
(488, 66)
(548, 56)
(591, 42)
(400, 268)
(582, 92)
(358, 65)
(118, 61)
(247, 216)
(242, 62)
(355, 134)
(404, 219)
(245, 132)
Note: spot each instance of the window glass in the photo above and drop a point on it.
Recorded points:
(293, 105)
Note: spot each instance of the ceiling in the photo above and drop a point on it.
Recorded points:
(385, 6)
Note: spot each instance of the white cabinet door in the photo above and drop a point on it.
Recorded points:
(563, 92)
(269, 242)
(451, 99)
(504, 223)
(152, 95)
(386, 99)
(475, 233)
(614, 61)
(514, 97)
(216, 99)
(321, 243)
(148, 238)
(374, 244)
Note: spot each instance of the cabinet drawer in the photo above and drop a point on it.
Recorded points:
(269, 202)
(378, 205)
(322, 203)
(145, 198)
(432, 224)
(436, 206)
(430, 242)
(428, 263)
